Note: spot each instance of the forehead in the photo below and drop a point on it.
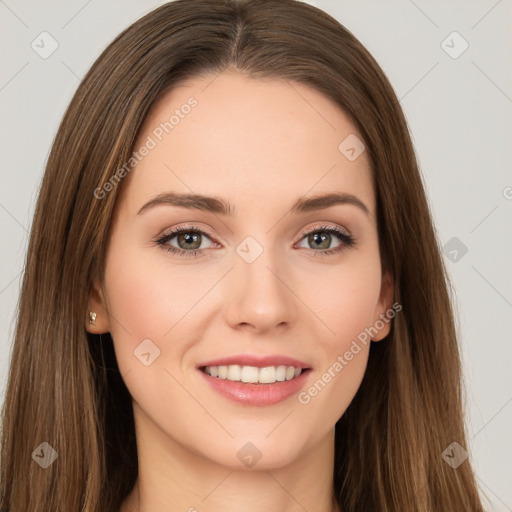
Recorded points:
(254, 141)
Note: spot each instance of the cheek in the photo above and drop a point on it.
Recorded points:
(150, 298)
(347, 307)
(333, 388)
(346, 299)
(335, 381)
(151, 308)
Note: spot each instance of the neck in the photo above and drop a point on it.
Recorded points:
(173, 478)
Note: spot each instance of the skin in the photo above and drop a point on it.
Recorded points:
(261, 145)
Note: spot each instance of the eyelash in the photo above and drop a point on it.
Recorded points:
(345, 239)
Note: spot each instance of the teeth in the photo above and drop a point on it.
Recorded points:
(290, 372)
(249, 374)
(267, 375)
(253, 374)
(234, 372)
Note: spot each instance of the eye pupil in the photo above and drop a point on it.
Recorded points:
(318, 239)
(189, 240)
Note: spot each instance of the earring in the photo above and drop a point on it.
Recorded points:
(92, 318)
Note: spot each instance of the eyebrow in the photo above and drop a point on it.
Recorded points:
(219, 206)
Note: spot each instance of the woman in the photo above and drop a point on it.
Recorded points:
(233, 296)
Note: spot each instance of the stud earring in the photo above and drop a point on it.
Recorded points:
(92, 318)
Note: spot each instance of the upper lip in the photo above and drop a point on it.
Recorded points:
(258, 361)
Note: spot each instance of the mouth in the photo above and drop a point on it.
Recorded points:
(254, 375)
(253, 381)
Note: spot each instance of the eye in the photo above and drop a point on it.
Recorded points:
(189, 240)
(322, 237)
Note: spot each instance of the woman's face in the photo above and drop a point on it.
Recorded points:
(270, 278)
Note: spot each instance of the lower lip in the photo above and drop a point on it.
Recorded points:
(257, 394)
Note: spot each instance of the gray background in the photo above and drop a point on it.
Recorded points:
(459, 112)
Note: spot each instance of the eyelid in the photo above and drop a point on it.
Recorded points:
(301, 233)
(187, 227)
(324, 225)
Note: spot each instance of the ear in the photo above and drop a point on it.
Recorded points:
(385, 303)
(97, 304)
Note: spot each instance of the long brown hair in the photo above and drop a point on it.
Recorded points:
(64, 386)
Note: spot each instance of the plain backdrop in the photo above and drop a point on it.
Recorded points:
(449, 63)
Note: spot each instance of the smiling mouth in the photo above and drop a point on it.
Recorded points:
(254, 374)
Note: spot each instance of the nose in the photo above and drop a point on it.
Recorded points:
(258, 298)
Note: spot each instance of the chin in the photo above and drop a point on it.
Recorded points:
(259, 452)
